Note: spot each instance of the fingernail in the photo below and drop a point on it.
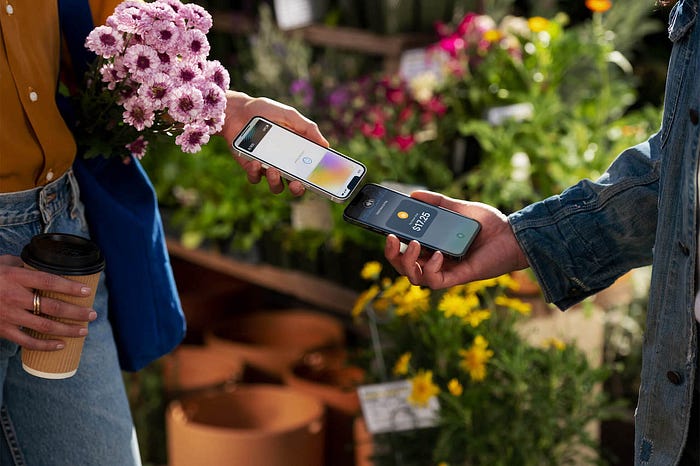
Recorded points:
(60, 346)
(92, 316)
(82, 331)
(85, 291)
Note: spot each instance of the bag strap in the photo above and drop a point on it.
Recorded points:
(75, 19)
(75, 23)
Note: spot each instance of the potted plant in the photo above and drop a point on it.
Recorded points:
(498, 399)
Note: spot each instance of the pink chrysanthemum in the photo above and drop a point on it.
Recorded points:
(156, 88)
(138, 113)
(105, 41)
(186, 104)
(216, 73)
(194, 44)
(163, 36)
(214, 99)
(215, 124)
(196, 17)
(138, 147)
(192, 138)
(141, 60)
(127, 17)
(186, 73)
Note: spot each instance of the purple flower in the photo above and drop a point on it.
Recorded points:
(194, 44)
(138, 147)
(186, 72)
(138, 113)
(214, 72)
(156, 88)
(196, 17)
(141, 60)
(214, 99)
(104, 41)
(303, 88)
(192, 138)
(186, 104)
(163, 36)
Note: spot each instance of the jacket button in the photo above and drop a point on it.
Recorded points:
(675, 377)
(693, 116)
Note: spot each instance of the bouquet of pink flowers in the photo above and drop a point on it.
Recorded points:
(151, 78)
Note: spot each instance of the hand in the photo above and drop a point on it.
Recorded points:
(495, 250)
(17, 285)
(240, 108)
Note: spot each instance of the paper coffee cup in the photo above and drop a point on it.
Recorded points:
(74, 258)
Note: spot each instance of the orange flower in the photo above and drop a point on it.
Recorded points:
(598, 6)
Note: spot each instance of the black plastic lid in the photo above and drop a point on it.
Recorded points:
(63, 254)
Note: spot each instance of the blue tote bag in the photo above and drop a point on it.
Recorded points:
(122, 210)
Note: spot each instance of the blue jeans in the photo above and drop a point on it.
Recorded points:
(82, 420)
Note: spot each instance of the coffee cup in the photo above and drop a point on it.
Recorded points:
(75, 258)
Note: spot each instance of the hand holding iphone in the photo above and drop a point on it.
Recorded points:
(386, 211)
(322, 170)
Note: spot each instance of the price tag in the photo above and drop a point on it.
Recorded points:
(386, 408)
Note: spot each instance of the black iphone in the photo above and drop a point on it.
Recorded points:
(386, 211)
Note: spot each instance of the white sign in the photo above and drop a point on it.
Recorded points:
(386, 408)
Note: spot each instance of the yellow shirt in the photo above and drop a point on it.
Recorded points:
(36, 146)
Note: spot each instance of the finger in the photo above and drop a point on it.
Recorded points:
(411, 266)
(433, 275)
(64, 310)
(34, 279)
(392, 253)
(274, 180)
(23, 339)
(297, 188)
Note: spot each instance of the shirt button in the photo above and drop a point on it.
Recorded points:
(694, 116)
(33, 96)
(9, 9)
(49, 175)
(675, 377)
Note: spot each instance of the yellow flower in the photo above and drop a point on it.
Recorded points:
(553, 342)
(515, 304)
(413, 302)
(508, 282)
(493, 35)
(476, 317)
(598, 6)
(364, 299)
(475, 358)
(371, 270)
(401, 366)
(476, 287)
(454, 387)
(538, 24)
(454, 305)
(422, 388)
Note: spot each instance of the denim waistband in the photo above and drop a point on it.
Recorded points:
(39, 204)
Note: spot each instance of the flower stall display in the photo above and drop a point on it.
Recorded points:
(475, 391)
(151, 79)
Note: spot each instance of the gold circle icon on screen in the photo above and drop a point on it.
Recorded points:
(402, 214)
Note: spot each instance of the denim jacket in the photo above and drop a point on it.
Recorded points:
(642, 211)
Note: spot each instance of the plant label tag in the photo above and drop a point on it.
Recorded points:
(385, 408)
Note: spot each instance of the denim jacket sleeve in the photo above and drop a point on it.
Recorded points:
(581, 241)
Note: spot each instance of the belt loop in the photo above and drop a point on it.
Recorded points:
(75, 193)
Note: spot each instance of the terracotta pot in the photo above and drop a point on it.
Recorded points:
(272, 340)
(192, 367)
(325, 374)
(253, 425)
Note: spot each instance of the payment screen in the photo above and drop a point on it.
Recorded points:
(301, 158)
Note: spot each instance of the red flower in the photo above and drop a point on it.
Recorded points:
(404, 142)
